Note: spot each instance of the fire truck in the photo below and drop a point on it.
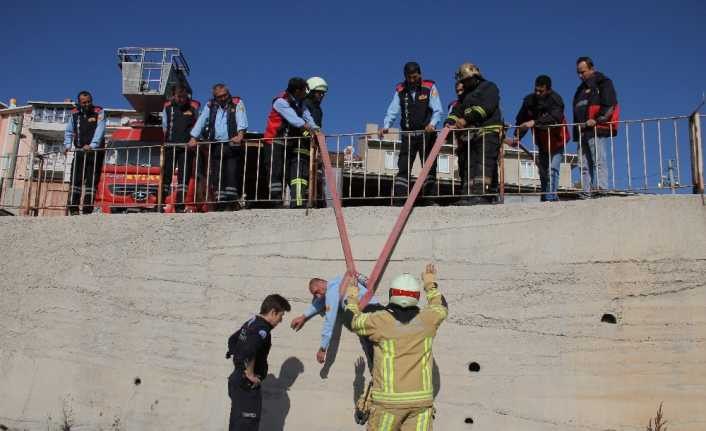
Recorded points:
(130, 179)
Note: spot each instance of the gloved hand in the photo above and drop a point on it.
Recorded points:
(429, 276)
(352, 291)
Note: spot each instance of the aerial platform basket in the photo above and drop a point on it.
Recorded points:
(150, 74)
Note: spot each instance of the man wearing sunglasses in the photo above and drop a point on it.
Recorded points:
(223, 123)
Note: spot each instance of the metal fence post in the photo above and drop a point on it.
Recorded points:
(697, 160)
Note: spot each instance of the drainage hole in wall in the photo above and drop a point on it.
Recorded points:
(609, 318)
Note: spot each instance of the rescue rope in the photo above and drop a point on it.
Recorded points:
(394, 236)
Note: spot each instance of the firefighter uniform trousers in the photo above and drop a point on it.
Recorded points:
(246, 404)
(290, 162)
(388, 419)
(412, 144)
(480, 155)
(226, 171)
(85, 173)
(179, 159)
(402, 395)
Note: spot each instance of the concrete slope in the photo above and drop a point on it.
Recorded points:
(121, 322)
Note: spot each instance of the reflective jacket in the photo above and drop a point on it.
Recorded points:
(402, 363)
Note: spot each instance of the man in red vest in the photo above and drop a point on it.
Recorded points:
(288, 122)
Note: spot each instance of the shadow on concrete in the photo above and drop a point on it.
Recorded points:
(275, 399)
(332, 347)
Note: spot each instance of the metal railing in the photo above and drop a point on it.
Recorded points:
(644, 156)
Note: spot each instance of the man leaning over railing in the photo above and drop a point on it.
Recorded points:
(478, 110)
(287, 122)
(540, 110)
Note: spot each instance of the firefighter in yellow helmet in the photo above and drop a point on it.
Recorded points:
(479, 145)
(402, 334)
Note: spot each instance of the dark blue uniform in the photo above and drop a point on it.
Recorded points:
(251, 342)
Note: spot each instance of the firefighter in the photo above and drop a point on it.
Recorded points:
(223, 123)
(85, 132)
(178, 118)
(540, 110)
(480, 112)
(288, 121)
(317, 91)
(402, 395)
(249, 348)
(417, 102)
(596, 114)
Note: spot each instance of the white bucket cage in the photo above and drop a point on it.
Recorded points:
(150, 74)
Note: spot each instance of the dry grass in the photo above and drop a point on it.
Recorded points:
(657, 423)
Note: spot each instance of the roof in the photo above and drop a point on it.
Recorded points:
(71, 104)
(3, 105)
(16, 109)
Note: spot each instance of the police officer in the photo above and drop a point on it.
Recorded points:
(417, 103)
(249, 348)
(479, 111)
(84, 133)
(178, 118)
(223, 123)
(287, 122)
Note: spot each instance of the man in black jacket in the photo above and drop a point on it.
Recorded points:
(596, 112)
(249, 348)
(543, 113)
(479, 112)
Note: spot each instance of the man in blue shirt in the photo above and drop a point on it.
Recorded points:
(223, 123)
(289, 121)
(416, 101)
(84, 134)
(327, 300)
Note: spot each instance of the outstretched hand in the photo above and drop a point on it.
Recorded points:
(298, 322)
(429, 274)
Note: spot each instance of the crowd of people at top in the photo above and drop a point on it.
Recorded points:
(297, 112)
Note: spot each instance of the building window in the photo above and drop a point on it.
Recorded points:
(391, 159)
(528, 169)
(48, 115)
(443, 164)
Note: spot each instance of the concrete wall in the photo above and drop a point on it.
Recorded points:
(90, 304)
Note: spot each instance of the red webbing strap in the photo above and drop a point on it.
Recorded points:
(402, 219)
(338, 210)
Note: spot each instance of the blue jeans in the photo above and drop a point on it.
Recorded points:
(549, 173)
(594, 171)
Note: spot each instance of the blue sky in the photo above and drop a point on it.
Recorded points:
(654, 51)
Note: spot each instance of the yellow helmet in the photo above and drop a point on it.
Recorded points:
(467, 70)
